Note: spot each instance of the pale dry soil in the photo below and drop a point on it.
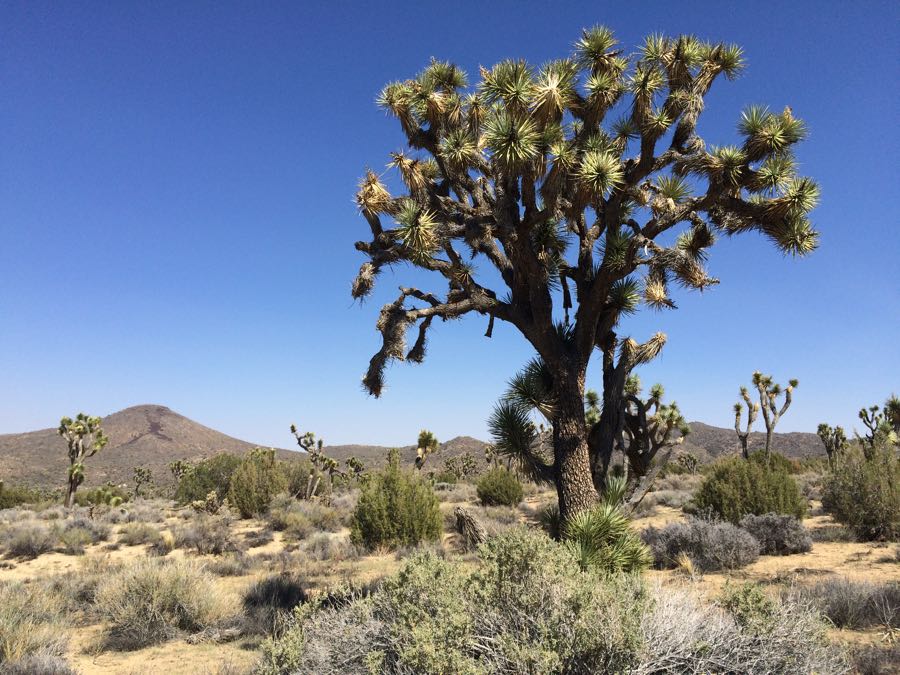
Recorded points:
(872, 562)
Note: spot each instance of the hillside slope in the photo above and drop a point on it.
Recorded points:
(143, 435)
(154, 436)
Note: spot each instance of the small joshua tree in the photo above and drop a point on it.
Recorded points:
(425, 445)
(179, 469)
(142, 476)
(649, 427)
(835, 441)
(321, 463)
(573, 213)
(355, 468)
(769, 392)
(84, 438)
(461, 466)
(752, 412)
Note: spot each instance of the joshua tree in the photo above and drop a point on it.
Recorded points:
(649, 425)
(84, 438)
(321, 463)
(834, 440)
(179, 469)
(882, 424)
(142, 476)
(356, 468)
(460, 466)
(752, 412)
(425, 445)
(769, 392)
(574, 215)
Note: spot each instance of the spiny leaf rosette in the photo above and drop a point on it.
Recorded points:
(564, 179)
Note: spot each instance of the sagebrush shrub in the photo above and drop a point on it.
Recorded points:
(32, 623)
(137, 533)
(864, 494)
(255, 482)
(527, 607)
(395, 508)
(736, 487)
(778, 534)
(710, 545)
(499, 487)
(38, 664)
(854, 604)
(206, 534)
(152, 600)
(27, 539)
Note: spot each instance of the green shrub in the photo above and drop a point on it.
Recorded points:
(16, 495)
(776, 461)
(395, 508)
(750, 606)
(499, 487)
(151, 600)
(255, 482)
(737, 487)
(108, 495)
(209, 475)
(864, 494)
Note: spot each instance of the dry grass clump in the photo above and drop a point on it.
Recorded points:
(325, 547)
(138, 533)
(206, 534)
(876, 659)
(151, 601)
(299, 518)
(76, 589)
(234, 564)
(257, 538)
(38, 664)
(27, 539)
(455, 493)
(146, 511)
(32, 623)
(79, 531)
(854, 604)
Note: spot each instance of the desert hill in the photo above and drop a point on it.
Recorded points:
(154, 436)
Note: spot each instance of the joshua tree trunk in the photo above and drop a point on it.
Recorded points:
(574, 484)
(70, 490)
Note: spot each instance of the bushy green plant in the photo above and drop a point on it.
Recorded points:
(209, 475)
(775, 460)
(499, 487)
(736, 487)
(395, 508)
(864, 493)
(15, 495)
(255, 482)
(108, 495)
(750, 606)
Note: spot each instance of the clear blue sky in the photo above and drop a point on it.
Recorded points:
(177, 217)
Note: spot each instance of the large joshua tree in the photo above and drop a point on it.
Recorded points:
(769, 391)
(573, 214)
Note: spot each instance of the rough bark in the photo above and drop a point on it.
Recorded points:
(574, 485)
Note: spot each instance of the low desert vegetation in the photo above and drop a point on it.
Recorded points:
(736, 487)
(778, 534)
(152, 600)
(855, 604)
(529, 606)
(395, 508)
(499, 487)
(863, 492)
(32, 625)
(709, 545)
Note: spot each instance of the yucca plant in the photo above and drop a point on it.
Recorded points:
(573, 213)
(601, 538)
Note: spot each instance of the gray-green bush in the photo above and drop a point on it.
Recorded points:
(778, 534)
(710, 545)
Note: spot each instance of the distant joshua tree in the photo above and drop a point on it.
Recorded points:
(321, 463)
(573, 215)
(426, 444)
(835, 441)
(84, 438)
(769, 392)
(142, 476)
(883, 425)
(752, 412)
